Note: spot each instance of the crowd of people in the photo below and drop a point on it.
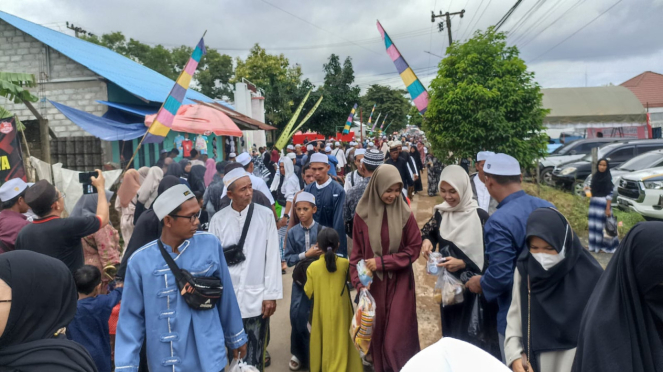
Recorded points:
(192, 277)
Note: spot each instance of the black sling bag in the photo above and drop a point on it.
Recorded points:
(235, 253)
(200, 293)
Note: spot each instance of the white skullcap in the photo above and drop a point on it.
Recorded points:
(395, 144)
(319, 158)
(298, 145)
(406, 148)
(244, 158)
(12, 188)
(359, 152)
(309, 147)
(337, 143)
(502, 165)
(484, 155)
(232, 155)
(327, 149)
(290, 147)
(292, 155)
(170, 199)
(305, 197)
(353, 143)
(233, 176)
(371, 144)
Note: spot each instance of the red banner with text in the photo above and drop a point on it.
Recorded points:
(11, 162)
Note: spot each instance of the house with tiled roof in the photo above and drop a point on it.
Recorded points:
(648, 88)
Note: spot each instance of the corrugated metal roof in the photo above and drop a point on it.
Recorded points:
(648, 87)
(131, 76)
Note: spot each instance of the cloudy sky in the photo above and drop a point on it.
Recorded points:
(623, 42)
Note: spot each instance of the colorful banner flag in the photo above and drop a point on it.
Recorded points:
(376, 123)
(351, 118)
(391, 122)
(11, 163)
(371, 115)
(385, 119)
(417, 91)
(161, 125)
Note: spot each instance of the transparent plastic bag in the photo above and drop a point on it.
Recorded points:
(238, 365)
(431, 265)
(475, 329)
(365, 275)
(361, 328)
(448, 290)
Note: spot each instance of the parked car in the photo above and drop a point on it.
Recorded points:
(572, 175)
(569, 152)
(642, 192)
(647, 160)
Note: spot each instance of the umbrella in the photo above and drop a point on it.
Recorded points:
(201, 119)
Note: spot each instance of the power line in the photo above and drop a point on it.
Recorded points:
(472, 19)
(526, 16)
(553, 22)
(538, 22)
(482, 13)
(507, 15)
(318, 27)
(580, 29)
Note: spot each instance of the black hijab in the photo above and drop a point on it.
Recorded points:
(174, 169)
(558, 295)
(183, 163)
(602, 181)
(44, 299)
(622, 327)
(197, 178)
(147, 229)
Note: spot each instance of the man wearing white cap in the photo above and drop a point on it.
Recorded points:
(481, 195)
(310, 149)
(177, 336)
(298, 154)
(12, 220)
(340, 156)
(400, 163)
(289, 149)
(357, 175)
(333, 162)
(256, 273)
(257, 182)
(504, 234)
(232, 156)
(329, 198)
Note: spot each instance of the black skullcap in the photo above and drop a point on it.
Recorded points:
(41, 196)
(232, 166)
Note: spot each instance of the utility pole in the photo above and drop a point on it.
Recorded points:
(448, 19)
(78, 30)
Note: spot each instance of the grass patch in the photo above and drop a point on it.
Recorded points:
(576, 209)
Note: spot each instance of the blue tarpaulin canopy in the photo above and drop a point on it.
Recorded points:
(102, 128)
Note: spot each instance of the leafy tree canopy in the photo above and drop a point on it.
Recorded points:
(212, 76)
(415, 118)
(483, 98)
(391, 102)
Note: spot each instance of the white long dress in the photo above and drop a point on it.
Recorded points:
(550, 361)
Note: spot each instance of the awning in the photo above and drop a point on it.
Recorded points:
(102, 128)
(139, 110)
(201, 119)
(595, 107)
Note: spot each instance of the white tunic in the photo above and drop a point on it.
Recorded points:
(550, 361)
(258, 184)
(258, 278)
(483, 195)
(340, 156)
(348, 180)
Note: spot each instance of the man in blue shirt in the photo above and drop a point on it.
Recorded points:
(179, 338)
(504, 234)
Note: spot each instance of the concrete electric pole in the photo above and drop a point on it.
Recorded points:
(78, 30)
(448, 19)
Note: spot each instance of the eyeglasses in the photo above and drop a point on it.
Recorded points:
(192, 218)
(5, 300)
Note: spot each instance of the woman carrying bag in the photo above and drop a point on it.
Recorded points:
(600, 209)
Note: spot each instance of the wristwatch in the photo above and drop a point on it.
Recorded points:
(286, 215)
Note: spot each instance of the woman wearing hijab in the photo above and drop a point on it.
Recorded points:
(175, 169)
(416, 158)
(275, 156)
(386, 236)
(101, 249)
(434, 167)
(148, 191)
(197, 178)
(457, 228)
(186, 168)
(210, 171)
(284, 187)
(38, 299)
(600, 209)
(125, 203)
(554, 279)
(270, 166)
(621, 329)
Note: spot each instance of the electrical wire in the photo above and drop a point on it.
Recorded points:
(553, 22)
(482, 13)
(472, 19)
(506, 16)
(526, 16)
(538, 22)
(578, 30)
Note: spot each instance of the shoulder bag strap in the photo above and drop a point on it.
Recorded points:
(247, 222)
(169, 260)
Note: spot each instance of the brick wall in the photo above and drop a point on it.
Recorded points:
(67, 82)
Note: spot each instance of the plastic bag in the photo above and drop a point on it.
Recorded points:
(361, 328)
(365, 275)
(431, 265)
(610, 229)
(475, 329)
(238, 365)
(448, 290)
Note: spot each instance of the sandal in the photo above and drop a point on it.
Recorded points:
(294, 364)
(268, 359)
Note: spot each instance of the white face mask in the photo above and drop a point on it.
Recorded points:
(548, 261)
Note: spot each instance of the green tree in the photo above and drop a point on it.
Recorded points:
(340, 95)
(280, 81)
(483, 98)
(414, 118)
(212, 77)
(391, 102)
(13, 87)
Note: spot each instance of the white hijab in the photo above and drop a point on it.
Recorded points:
(148, 190)
(461, 224)
(289, 171)
(451, 355)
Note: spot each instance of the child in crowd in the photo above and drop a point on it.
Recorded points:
(90, 325)
(332, 309)
(300, 245)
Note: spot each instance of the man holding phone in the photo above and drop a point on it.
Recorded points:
(60, 237)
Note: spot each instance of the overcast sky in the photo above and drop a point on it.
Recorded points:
(622, 43)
